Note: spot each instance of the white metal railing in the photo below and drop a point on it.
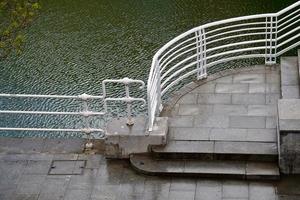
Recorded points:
(86, 112)
(200, 50)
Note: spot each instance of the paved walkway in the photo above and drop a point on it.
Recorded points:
(234, 113)
(25, 177)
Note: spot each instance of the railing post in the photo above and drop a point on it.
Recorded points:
(87, 130)
(130, 121)
(158, 85)
(271, 40)
(201, 53)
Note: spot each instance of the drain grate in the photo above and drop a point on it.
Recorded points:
(67, 167)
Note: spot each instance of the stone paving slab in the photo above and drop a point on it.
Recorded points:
(111, 179)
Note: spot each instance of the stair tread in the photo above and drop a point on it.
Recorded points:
(290, 77)
(215, 168)
(218, 147)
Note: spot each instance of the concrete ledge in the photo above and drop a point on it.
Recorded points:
(122, 140)
(289, 115)
(289, 135)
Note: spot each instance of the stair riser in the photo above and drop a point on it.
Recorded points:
(208, 156)
(206, 175)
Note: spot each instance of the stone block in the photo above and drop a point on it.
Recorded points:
(247, 99)
(249, 78)
(230, 109)
(122, 140)
(214, 98)
(247, 121)
(262, 110)
(232, 88)
(289, 114)
(212, 121)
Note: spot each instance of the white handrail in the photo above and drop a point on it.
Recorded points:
(193, 52)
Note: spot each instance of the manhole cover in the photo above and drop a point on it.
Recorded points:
(67, 167)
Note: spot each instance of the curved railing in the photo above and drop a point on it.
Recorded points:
(201, 50)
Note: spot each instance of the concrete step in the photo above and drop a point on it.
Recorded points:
(216, 169)
(299, 63)
(217, 150)
(289, 78)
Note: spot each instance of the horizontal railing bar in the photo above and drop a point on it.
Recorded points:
(291, 24)
(209, 65)
(288, 33)
(176, 46)
(178, 50)
(234, 26)
(50, 129)
(209, 57)
(288, 48)
(288, 8)
(280, 20)
(236, 36)
(288, 40)
(87, 113)
(297, 16)
(235, 31)
(236, 44)
(49, 96)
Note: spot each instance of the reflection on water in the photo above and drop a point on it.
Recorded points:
(74, 45)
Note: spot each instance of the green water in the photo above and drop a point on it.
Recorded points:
(75, 44)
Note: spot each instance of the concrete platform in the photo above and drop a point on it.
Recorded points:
(289, 78)
(233, 113)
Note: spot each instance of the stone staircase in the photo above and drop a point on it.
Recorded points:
(244, 148)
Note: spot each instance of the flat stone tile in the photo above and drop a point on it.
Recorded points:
(92, 161)
(77, 195)
(272, 78)
(212, 121)
(188, 99)
(37, 167)
(183, 121)
(110, 192)
(290, 92)
(262, 135)
(187, 147)
(261, 191)
(257, 88)
(272, 88)
(194, 109)
(271, 122)
(31, 145)
(63, 145)
(189, 133)
(235, 190)
(214, 98)
(183, 184)
(205, 88)
(56, 186)
(247, 122)
(32, 188)
(215, 167)
(258, 169)
(225, 79)
(208, 190)
(249, 78)
(25, 197)
(247, 99)
(179, 195)
(85, 181)
(262, 110)
(230, 109)
(246, 147)
(272, 99)
(220, 134)
(232, 88)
